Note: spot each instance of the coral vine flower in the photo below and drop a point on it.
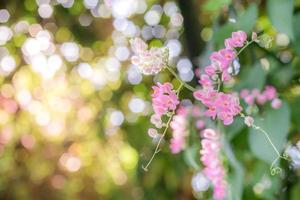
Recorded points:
(220, 105)
(149, 61)
(255, 96)
(237, 40)
(164, 98)
(180, 130)
(213, 167)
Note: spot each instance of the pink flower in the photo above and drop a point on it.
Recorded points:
(249, 99)
(200, 124)
(210, 70)
(210, 134)
(254, 37)
(270, 92)
(226, 117)
(276, 103)
(249, 121)
(177, 145)
(205, 80)
(164, 98)
(156, 121)
(213, 167)
(220, 105)
(244, 93)
(152, 132)
(180, 130)
(218, 61)
(237, 39)
(227, 54)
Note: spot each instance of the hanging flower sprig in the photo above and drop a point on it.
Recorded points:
(219, 105)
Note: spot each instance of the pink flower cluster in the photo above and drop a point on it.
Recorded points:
(198, 115)
(179, 127)
(149, 61)
(255, 96)
(237, 40)
(221, 60)
(220, 105)
(164, 98)
(210, 158)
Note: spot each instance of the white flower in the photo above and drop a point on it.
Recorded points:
(294, 153)
(148, 61)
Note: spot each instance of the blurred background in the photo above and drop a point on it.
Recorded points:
(74, 112)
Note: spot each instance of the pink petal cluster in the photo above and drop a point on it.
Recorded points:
(210, 158)
(221, 60)
(237, 39)
(148, 61)
(269, 94)
(179, 127)
(198, 114)
(164, 99)
(219, 105)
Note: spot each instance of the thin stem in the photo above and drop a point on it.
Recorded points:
(244, 47)
(181, 81)
(273, 170)
(157, 150)
(219, 83)
(268, 138)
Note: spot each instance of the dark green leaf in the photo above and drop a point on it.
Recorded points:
(276, 124)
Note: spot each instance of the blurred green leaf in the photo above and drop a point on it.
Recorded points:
(296, 21)
(295, 192)
(236, 174)
(276, 124)
(222, 33)
(252, 78)
(214, 5)
(190, 155)
(295, 112)
(235, 128)
(248, 19)
(281, 15)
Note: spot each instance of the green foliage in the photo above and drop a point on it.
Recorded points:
(252, 73)
(247, 20)
(214, 5)
(281, 15)
(191, 155)
(276, 123)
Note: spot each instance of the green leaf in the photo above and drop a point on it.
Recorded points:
(281, 15)
(295, 105)
(190, 155)
(252, 78)
(222, 33)
(248, 19)
(214, 5)
(276, 124)
(236, 176)
(235, 128)
(296, 44)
